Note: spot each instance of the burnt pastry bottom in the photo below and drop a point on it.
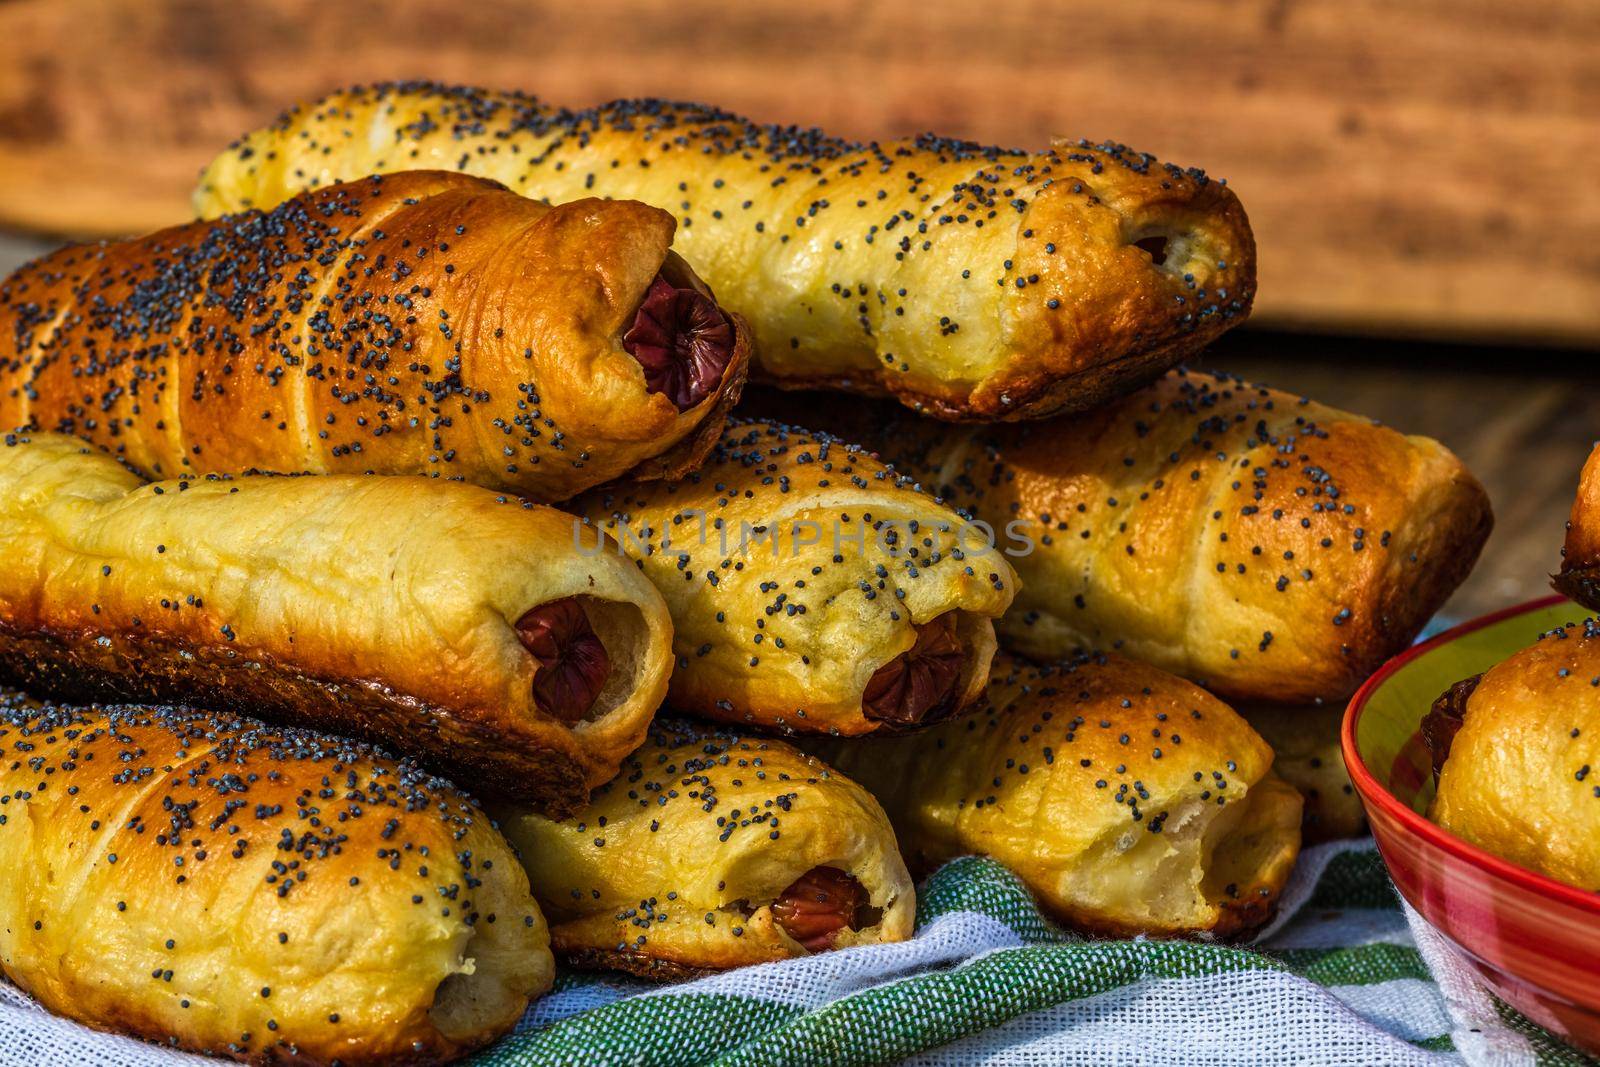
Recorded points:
(123, 667)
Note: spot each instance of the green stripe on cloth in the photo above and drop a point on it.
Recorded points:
(1361, 965)
(891, 1022)
(679, 1030)
(567, 980)
(912, 1012)
(973, 883)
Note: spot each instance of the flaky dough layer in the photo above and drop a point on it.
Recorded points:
(211, 883)
(420, 323)
(1130, 801)
(696, 859)
(387, 608)
(970, 282)
(1518, 780)
(1306, 754)
(1273, 548)
(810, 588)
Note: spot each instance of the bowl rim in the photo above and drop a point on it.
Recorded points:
(1373, 792)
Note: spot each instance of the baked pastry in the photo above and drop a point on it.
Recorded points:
(1579, 577)
(714, 850)
(423, 323)
(456, 624)
(1270, 547)
(970, 282)
(811, 590)
(273, 895)
(1513, 750)
(1129, 800)
(1306, 754)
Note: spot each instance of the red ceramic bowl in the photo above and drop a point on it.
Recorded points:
(1534, 941)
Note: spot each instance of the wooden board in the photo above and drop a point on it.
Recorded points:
(1411, 166)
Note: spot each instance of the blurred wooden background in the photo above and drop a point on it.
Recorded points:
(1416, 167)
(1423, 175)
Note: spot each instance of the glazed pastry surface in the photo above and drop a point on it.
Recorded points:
(970, 282)
(1515, 776)
(420, 323)
(811, 589)
(441, 619)
(211, 883)
(1305, 746)
(714, 850)
(1129, 800)
(1270, 547)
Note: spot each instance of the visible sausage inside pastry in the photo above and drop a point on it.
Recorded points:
(1579, 577)
(811, 589)
(418, 323)
(968, 281)
(822, 904)
(1445, 719)
(214, 884)
(1129, 800)
(1275, 549)
(683, 341)
(713, 850)
(918, 681)
(573, 665)
(461, 625)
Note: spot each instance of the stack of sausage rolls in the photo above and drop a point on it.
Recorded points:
(421, 461)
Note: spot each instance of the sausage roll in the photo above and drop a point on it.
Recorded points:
(1305, 746)
(215, 884)
(970, 282)
(1267, 546)
(423, 323)
(1130, 801)
(714, 850)
(457, 624)
(1579, 577)
(1514, 748)
(811, 589)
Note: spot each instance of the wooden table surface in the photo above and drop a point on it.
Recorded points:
(1522, 419)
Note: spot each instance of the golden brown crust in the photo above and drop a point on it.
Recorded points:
(1579, 577)
(277, 896)
(1272, 548)
(1035, 398)
(971, 283)
(1518, 779)
(1130, 801)
(674, 868)
(422, 323)
(796, 567)
(1305, 746)
(385, 608)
